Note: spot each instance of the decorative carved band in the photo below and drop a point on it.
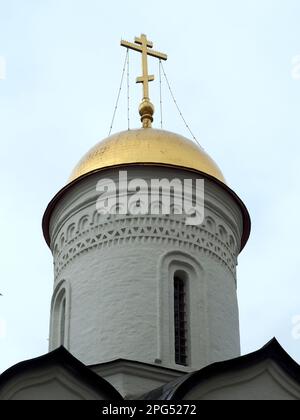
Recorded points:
(208, 239)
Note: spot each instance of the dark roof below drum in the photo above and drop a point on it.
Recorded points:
(177, 389)
(63, 358)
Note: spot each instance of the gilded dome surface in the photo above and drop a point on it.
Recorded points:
(147, 146)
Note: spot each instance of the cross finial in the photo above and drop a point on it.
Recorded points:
(144, 46)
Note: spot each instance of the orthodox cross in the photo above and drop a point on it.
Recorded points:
(144, 46)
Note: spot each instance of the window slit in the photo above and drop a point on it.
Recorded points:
(180, 321)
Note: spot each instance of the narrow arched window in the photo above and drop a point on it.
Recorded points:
(59, 318)
(62, 322)
(180, 319)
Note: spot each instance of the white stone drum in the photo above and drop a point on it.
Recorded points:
(114, 276)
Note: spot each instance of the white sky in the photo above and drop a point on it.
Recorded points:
(233, 66)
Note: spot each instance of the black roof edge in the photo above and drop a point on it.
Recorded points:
(63, 357)
(272, 350)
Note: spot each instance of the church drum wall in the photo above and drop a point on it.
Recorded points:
(119, 270)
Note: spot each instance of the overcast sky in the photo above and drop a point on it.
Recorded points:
(233, 67)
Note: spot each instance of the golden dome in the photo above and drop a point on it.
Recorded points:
(147, 146)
